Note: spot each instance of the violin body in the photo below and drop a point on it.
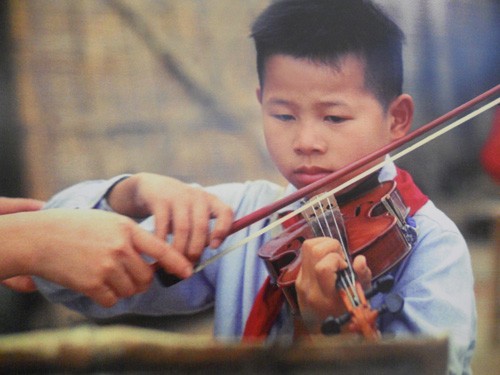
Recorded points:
(376, 233)
(374, 227)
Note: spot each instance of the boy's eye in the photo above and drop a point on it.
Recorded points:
(284, 117)
(334, 119)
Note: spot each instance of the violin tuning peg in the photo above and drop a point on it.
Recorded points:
(331, 325)
(393, 303)
(382, 285)
(385, 283)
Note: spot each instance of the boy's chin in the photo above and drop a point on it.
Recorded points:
(326, 189)
(332, 187)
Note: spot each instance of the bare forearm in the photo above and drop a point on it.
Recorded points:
(20, 235)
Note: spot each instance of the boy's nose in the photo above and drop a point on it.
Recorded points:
(309, 140)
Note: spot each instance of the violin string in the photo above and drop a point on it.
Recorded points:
(346, 276)
(324, 226)
(280, 221)
(344, 246)
(319, 221)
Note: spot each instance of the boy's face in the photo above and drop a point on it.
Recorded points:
(318, 119)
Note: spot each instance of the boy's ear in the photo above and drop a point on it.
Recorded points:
(401, 115)
(258, 93)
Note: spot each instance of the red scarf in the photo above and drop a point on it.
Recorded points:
(269, 300)
(490, 156)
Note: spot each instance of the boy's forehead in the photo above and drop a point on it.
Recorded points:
(337, 64)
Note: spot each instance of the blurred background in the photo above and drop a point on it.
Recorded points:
(94, 88)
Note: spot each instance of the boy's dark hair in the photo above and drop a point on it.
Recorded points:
(325, 30)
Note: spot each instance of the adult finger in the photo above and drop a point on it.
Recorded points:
(119, 281)
(138, 271)
(23, 284)
(104, 296)
(171, 260)
(13, 205)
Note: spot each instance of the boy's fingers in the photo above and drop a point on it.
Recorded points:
(181, 228)
(363, 273)
(315, 249)
(200, 230)
(224, 219)
(162, 222)
(326, 278)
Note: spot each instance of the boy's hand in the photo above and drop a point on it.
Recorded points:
(317, 294)
(178, 209)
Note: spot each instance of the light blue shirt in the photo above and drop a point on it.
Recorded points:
(435, 280)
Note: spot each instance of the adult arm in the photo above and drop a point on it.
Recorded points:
(94, 252)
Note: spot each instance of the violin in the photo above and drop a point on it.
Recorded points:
(372, 224)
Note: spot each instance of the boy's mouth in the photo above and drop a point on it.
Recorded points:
(306, 175)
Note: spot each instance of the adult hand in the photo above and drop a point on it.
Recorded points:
(94, 252)
(12, 205)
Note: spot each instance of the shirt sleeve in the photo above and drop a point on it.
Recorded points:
(88, 194)
(186, 297)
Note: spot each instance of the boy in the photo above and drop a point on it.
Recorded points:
(330, 75)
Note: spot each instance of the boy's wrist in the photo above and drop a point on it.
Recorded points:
(122, 197)
(106, 201)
